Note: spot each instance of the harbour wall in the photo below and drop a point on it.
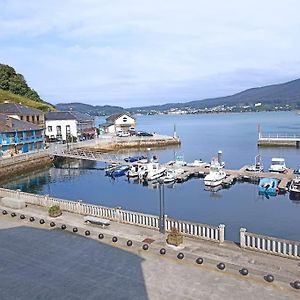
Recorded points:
(25, 162)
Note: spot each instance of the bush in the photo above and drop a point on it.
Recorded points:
(54, 211)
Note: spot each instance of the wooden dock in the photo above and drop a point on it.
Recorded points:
(234, 175)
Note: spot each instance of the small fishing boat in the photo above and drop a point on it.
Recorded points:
(134, 158)
(268, 186)
(257, 166)
(197, 163)
(295, 186)
(152, 171)
(119, 171)
(216, 174)
(278, 165)
(135, 169)
(171, 175)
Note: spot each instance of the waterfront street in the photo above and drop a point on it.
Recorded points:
(85, 268)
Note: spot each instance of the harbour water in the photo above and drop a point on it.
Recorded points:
(202, 136)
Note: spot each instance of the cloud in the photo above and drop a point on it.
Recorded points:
(133, 52)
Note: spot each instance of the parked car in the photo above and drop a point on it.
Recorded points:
(143, 133)
(123, 134)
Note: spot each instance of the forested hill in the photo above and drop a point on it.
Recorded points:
(14, 88)
(272, 95)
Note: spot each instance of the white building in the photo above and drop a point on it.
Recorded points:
(119, 122)
(60, 126)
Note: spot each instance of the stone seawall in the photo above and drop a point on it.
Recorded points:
(23, 163)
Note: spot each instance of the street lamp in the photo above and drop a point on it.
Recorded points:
(162, 228)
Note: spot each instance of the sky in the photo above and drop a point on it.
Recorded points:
(144, 52)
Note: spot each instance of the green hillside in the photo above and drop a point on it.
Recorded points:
(8, 96)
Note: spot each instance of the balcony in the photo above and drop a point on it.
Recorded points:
(21, 140)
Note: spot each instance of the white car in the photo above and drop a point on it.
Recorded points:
(123, 134)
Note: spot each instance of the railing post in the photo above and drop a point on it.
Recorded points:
(242, 237)
(221, 233)
(118, 214)
(18, 193)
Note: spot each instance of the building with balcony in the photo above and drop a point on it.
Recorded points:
(61, 126)
(23, 113)
(18, 136)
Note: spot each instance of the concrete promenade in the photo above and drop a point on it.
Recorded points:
(163, 276)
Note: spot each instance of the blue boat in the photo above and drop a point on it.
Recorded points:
(268, 186)
(134, 158)
(120, 171)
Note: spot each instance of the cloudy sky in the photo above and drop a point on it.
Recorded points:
(141, 52)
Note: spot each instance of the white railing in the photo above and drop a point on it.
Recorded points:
(190, 229)
(204, 231)
(272, 136)
(268, 244)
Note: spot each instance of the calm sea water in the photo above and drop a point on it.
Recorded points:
(202, 136)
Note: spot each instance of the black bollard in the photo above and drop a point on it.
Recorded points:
(52, 224)
(129, 243)
(244, 271)
(145, 246)
(42, 221)
(4, 212)
(199, 260)
(114, 239)
(162, 251)
(63, 227)
(31, 219)
(296, 285)
(180, 255)
(269, 278)
(22, 217)
(221, 266)
(101, 236)
(13, 214)
(75, 229)
(87, 232)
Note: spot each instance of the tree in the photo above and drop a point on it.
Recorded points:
(16, 83)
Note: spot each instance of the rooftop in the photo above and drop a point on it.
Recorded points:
(8, 124)
(59, 115)
(15, 108)
(115, 116)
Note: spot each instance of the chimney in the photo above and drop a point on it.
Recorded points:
(8, 121)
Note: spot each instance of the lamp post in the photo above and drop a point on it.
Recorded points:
(162, 228)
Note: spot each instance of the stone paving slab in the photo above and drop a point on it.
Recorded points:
(187, 272)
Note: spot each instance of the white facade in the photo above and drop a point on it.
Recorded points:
(124, 122)
(60, 129)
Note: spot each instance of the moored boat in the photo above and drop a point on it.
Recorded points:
(295, 186)
(152, 171)
(268, 186)
(216, 174)
(278, 165)
(119, 171)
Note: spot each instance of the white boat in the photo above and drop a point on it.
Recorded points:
(171, 175)
(216, 174)
(278, 165)
(135, 169)
(152, 171)
(197, 163)
(295, 186)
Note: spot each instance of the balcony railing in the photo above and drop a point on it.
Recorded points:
(13, 141)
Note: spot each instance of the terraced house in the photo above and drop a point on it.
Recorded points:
(18, 136)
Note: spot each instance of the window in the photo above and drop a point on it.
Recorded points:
(21, 118)
(68, 129)
(124, 119)
(50, 128)
(58, 129)
(38, 118)
(27, 118)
